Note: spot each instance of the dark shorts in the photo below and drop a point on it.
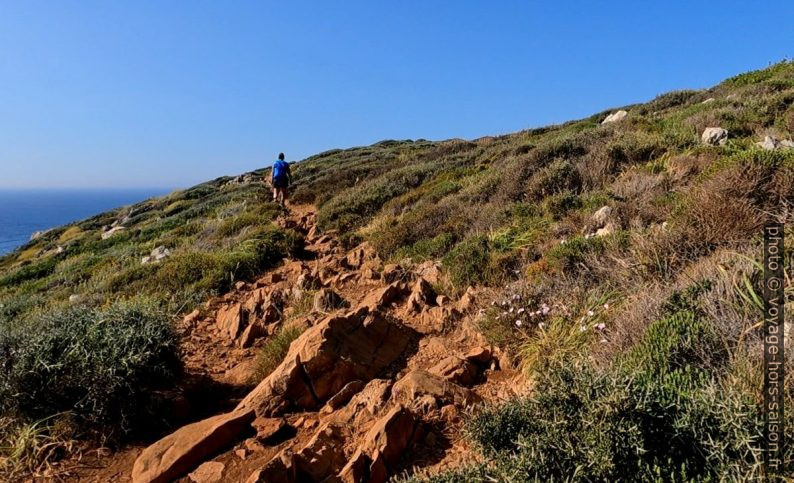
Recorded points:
(280, 183)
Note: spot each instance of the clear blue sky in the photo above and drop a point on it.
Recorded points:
(168, 94)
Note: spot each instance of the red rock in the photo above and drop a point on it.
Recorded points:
(343, 396)
(383, 296)
(192, 318)
(430, 271)
(280, 469)
(239, 285)
(467, 301)
(457, 370)
(266, 428)
(179, 452)
(322, 456)
(229, 320)
(392, 273)
(382, 447)
(419, 383)
(434, 320)
(480, 355)
(209, 472)
(364, 405)
(422, 295)
(327, 356)
(254, 331)
(241, 453)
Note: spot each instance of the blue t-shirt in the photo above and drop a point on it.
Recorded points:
(280, 169)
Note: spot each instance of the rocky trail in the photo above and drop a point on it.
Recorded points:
(376, 383)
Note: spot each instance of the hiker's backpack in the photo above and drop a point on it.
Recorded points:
(280, 170)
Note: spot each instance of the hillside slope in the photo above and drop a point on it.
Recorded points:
(625, 248)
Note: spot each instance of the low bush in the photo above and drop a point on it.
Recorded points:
(468, 262)
(656, 416)
(99, 364)
(274, 350)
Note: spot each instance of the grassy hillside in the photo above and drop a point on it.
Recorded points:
(659, 312)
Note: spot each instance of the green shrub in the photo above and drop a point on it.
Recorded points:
(274, 350)
(567, 256)
(96, 363)
(656, 416)
(468, 262)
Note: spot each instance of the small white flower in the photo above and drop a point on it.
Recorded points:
(521, 310)
(606, 305)
(511, 310)
(603, 341)
(600, 326)
(562, 242)
(582, 328)
(590, 313)
(545, 309)
(516, 297)
(519, 323)
(542, 325)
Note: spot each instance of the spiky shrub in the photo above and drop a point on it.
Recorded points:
(99, 364)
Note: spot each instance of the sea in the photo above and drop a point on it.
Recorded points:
(23, 212)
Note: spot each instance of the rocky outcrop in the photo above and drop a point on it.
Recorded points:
(770, 143)
(426, 391)
(181, 451)
(338, 350)
(158, 254)
(382, 447)
(714, 136)
(615, 117)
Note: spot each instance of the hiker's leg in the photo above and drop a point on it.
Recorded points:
(285, 194)
(275, 194)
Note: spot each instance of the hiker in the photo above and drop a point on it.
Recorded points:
(281, 180)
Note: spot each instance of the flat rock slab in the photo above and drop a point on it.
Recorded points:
(181, 451)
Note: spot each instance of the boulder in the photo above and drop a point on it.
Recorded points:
(382, 447)
(615, 117)
(181, 451)
(113, 231)
(364, 405)
(343, 396)
(326, 357)
(268, 428)
(455, 369)
(322, 456)
(433, 320)
(326, 300)
(421, 296)
(393, 272)
(156, 255)
(255, 330)
(280, 469)
(714, 136)
(209, 472)
(468, 300)
(430, 270)
(769, 143)
(479, 355)
(608, 229)
(230, 320)
(601, 216)
(382, 297)
(419, 386)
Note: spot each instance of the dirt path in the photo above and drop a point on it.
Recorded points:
(222, 339)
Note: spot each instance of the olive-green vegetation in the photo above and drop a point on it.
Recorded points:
(86, 327)
(647, 354)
